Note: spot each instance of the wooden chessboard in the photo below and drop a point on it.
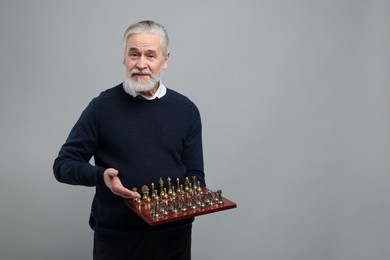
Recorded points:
(143, 209)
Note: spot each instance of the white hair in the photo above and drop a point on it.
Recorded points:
(148, 27)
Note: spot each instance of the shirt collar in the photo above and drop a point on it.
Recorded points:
(161, 91)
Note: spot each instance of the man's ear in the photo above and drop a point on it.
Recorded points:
(165, 65)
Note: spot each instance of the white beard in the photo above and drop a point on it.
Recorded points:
(138, 85)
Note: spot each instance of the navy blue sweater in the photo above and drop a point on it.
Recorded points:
(144, 140)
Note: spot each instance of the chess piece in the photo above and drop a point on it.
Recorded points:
(173, 207)
(169, 186)
(136, 200)
(173, 191)
(199, 200)
(156, 196)
(190, 201)
(162, 193)
(182, 206)
(145, 191)
(165, 194)
(190, 190)
(218, 197)
(199, 187)
(209, 198)
(195, 186)
(178, 185)
(163, 208)
(186, 184)
(154, 212)
(153, 195)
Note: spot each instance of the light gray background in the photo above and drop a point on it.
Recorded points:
(294, 97)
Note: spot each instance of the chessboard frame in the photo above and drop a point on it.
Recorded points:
(142, 209)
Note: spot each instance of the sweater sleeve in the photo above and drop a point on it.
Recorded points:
(193, 149)
(72, 165)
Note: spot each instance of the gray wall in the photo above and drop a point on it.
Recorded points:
(294, 97)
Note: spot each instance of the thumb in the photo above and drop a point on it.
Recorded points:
(112, 172)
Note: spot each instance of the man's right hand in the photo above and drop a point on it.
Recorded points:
(113, 182)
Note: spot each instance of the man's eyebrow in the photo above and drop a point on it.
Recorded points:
(151, 52)
(132, 49)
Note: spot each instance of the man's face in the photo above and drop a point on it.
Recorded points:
(144, 60)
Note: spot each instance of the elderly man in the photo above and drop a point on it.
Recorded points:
(138, 132)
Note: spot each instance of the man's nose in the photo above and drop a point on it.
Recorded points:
(141, 64)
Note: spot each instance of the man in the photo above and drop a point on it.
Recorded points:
(138, 132)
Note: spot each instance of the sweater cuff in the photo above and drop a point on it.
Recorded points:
(100, 176)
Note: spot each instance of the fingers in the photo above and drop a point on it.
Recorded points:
(118, 189)
(113, 182)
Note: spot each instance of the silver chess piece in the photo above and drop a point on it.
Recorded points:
(182, 206)
(209, 198)
(199, 200)
(218, 197)
(154, 212)
(163, 208)
(173, 207)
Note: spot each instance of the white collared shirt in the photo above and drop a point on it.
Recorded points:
(161, 91)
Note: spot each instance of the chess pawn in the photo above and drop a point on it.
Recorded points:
(156, 196)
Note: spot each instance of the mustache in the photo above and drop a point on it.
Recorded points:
(140, 72)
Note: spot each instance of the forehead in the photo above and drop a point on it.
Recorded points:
(144, 41)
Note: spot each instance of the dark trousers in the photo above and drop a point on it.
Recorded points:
(167, 245)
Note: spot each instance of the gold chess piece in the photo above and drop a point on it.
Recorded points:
(165, 194)
(153, 194)
(190, 190)
(169, 186)
(156, 196)
(195, 186)
(145, 191)
(162, 192)
(136, 200)
(199, 188)
(186, 182)
(173, 191)
(178, 185)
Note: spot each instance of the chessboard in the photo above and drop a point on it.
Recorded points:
(168, 204)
